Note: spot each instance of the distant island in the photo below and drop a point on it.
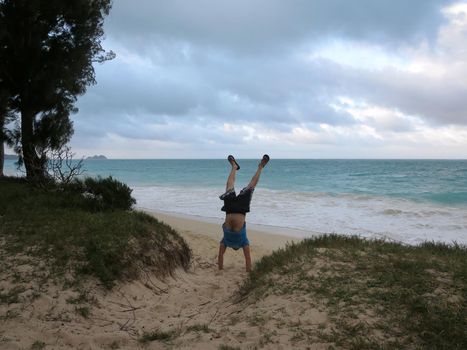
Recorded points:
(97, 157)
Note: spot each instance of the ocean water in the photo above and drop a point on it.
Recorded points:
(410, 201)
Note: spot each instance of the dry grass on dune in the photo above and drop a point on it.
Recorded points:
(374, 294)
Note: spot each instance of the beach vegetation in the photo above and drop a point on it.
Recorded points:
(376, 294)
(83, 311)
(228, 347)
(114, 345)
(169, 335)
(100, 194)
(158, 336)
(74, 238)
(204, 328)
(61, 167)
(37, 345)
(256, 320)
(266, 338)
(11, 296)
(10, 314)
(84, 296)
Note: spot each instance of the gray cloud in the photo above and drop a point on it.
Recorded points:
(128, 98)
(126, 89)
(185, 69)
(441, 100)
(264, 25)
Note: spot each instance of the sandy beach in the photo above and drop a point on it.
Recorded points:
(198, 303)
(263, 239)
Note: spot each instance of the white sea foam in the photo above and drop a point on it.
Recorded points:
(377, 217)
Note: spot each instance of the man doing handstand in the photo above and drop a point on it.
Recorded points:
(236, 207)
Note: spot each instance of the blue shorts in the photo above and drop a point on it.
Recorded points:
(235, 239)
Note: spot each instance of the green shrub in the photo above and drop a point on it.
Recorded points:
(103, 193)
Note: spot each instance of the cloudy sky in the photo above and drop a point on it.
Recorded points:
(295, 79)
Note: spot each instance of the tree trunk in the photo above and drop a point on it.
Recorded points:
(34, 169)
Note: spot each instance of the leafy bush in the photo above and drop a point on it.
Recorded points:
(103, 193)
(57, 223)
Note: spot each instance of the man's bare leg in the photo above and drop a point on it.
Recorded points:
(231, 178)
(220, 257)
(246, 252)
(255, 178)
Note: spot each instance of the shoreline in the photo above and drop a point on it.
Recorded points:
(295, 233)
(279, 233)
(271, 237)
(260, 236)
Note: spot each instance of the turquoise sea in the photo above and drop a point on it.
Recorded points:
(404, 200)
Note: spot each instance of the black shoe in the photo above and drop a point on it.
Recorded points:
(231, 158)
(264, 161)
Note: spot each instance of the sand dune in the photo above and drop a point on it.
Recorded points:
(195, 307)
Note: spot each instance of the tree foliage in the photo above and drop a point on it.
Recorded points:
(47, 51)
